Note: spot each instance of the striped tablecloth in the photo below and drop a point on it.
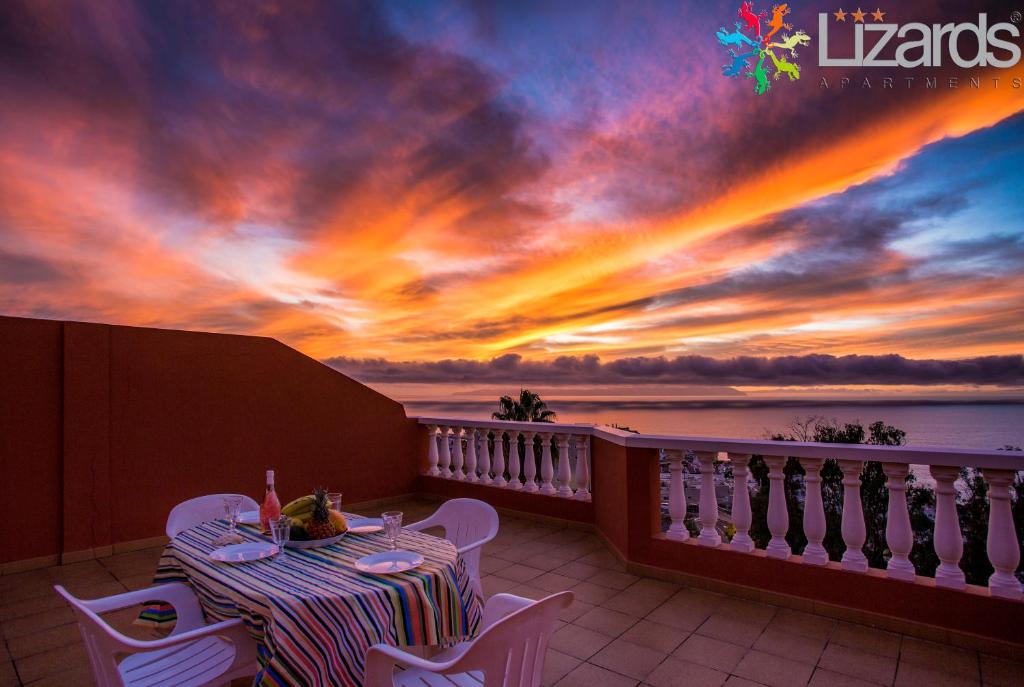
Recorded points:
(313, 614)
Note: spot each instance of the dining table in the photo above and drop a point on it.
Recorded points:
(312, 614)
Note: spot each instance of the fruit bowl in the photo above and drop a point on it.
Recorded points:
(314, 543)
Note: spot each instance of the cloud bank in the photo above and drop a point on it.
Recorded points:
(804, 370)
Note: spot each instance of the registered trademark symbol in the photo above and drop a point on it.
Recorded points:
(1015, 16)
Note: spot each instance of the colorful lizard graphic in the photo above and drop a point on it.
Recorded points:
(778, 12)
(752, 20)
(762, 85)
(783, 66)
(790, 42)
(738, 63)
(734, 38)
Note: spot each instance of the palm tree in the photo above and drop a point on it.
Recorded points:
(529, 408)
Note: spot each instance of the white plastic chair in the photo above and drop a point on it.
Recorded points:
(194, 654)
(201, 509)
(469, 524)
(509, 652)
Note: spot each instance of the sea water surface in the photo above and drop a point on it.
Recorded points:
(983, 425)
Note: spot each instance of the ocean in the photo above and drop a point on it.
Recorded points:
(982, 425)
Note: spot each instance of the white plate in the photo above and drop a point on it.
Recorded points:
(249, 517)
(314, 543)
(365, 525)
(241, 553)
(387, 562)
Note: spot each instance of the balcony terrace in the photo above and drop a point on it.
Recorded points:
(111, 426)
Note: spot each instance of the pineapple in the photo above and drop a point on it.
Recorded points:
(319, 525)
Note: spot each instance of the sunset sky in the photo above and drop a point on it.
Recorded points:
(415, 182)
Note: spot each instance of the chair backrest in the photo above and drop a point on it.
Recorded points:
(511, 651)
(102, 643)
(466, 521)
(201, 509)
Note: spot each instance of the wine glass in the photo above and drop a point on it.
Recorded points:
(280, 531)
(232, 510)
(392, 526)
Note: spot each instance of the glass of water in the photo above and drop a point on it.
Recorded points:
(280, 531)
(392, 526)
(335, 498)
(232, 510)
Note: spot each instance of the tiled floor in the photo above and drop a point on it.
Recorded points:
(622, 630)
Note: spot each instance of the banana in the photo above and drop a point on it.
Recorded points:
(300, 508)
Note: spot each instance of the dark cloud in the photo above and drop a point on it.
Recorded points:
(26, 269)
(1007, 370)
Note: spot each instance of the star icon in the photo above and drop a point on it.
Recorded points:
(858, 16)
(878, 14)
(840, 15)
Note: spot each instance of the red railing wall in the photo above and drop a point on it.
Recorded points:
(104, 428)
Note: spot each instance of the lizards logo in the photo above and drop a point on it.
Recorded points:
(759, 51)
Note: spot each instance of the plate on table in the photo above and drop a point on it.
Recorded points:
(389, 562)
(365, 525)
(242, 553)
(249, 517)
(314, 543)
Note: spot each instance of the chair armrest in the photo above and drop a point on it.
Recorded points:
(233, 629)
(186, 606)
(475, 545)
(501, 605)
(424, 524)
(381, 660)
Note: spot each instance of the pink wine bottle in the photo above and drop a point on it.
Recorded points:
(271, 507)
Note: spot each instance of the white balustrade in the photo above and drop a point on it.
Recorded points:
(582, 469)
(778, 513)
(853, 528)
(432, 456)
(708, 503)
(499, 459)
(676, 497)
(1003, 549)
(445, 459)
(741, 515)
(949, 543)
(898, 534)
(564, 467)
(471, 455)
(484, 457)
(814, 513)
(530, 463)
(514, 469)
(547, 470)
(486, 465)
(457, 455)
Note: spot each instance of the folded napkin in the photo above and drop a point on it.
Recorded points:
(228, 538)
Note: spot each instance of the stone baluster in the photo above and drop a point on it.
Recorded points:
(1003, 549)
(471, 455)
(445, 459)
(854, 529)
(547, 469)
(529, 463)
(778, 514)
(499, 459)
(483, 457)
(676, 497)
(457, 456)
(741, 516)
(582, 469)
(708, 502)
(514, 482)
(564, 467)
(899, 537)
(949, 543)
(432, 457)
(814, 513)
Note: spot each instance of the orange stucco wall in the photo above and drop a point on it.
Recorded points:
(105, 428)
